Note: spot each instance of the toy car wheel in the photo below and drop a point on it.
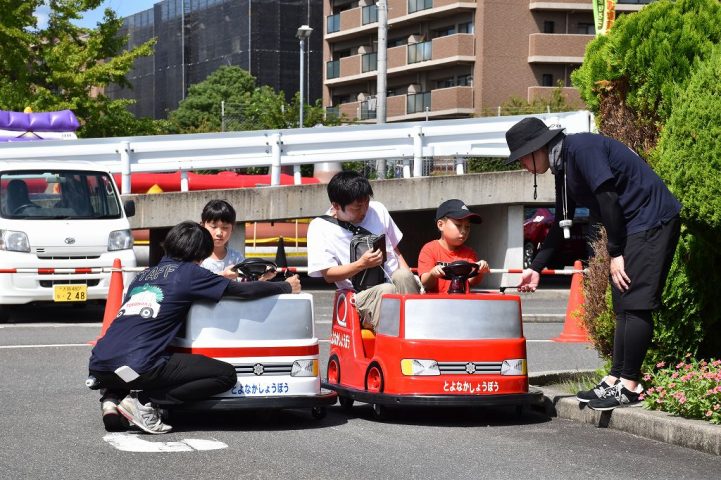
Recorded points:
(121, 312)
(318, 412)
(529, 252)
(346, 403)
(374, 379)
(380, 412)
(146, 312)
(333, 370)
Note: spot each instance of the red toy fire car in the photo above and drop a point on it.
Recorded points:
(463, 349)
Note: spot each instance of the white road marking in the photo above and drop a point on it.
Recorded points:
(10, 347)
(127, 442)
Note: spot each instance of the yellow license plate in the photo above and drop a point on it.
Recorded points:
(70, 293)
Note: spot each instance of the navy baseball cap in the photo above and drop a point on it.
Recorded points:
(457, 210)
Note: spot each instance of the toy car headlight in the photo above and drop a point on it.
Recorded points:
(304, 368)
(120, 240)
(14, 241)
(514, 367)
(412, 366)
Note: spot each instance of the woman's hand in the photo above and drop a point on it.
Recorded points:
(529, 281)
(268, 275)
(618, 273)
(294, 283)
(229, 273)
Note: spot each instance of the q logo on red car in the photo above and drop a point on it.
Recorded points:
(341, 309)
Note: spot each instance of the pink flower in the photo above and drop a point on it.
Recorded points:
(680, 365)
(663, 364)
(641, 396)
(674, 375)
(709, 413)
(671, 385)
(682, 400)
(715, 363)
(651, 390)
(647, 377)
(716, 407)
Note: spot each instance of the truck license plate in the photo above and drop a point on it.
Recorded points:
(70, 293)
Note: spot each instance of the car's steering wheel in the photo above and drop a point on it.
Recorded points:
(254, 268)
(458, 273)
(22, 207)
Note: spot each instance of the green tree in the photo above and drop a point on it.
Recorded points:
(629, 76)
(247, 106)
(62, 66)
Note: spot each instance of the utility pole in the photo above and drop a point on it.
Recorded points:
(381, 88)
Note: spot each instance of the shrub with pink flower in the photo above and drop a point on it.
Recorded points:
(695, 394)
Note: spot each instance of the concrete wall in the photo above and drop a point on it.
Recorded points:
(498, 197)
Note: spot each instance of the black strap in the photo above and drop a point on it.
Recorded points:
(354, 229)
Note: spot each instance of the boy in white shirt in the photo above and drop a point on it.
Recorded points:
(218, 218)
(329, 245)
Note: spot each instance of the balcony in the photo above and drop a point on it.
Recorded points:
(557, 48)
(441, 103)
(577, 5)
(359, 21)
(332, 69)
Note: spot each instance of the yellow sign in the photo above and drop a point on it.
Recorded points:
(70, 293)
(604, 13)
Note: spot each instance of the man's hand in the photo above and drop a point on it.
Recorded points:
(371, 258)
(618, 273)
(529, 280)
(437, 271)
(294, 283)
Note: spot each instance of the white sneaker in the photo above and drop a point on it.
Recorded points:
(112, 419)
(145, 417)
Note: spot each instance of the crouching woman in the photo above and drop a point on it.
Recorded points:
(132, 362)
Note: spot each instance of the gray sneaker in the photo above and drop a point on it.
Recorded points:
(145, 417)
(112, 419)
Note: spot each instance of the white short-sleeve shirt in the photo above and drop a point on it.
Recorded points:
(232, 257)
(329, 244)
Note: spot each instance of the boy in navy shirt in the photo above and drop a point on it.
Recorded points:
(132, 355)
(641, 218)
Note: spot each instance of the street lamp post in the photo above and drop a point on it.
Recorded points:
(304, 32)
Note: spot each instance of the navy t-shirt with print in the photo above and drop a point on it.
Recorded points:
(154, 309)
(592, 160)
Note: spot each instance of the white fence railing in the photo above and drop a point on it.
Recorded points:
(413, 141)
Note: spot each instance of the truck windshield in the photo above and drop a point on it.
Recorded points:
(461, 319)
(58, 194)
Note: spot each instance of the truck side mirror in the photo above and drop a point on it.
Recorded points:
(129, 207)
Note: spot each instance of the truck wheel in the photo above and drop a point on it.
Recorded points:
(374, 379)
(318, 413)
(333, 372)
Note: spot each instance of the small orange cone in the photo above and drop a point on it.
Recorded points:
(114, 300)
(573, 329)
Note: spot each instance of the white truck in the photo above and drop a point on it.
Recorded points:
(65, 216)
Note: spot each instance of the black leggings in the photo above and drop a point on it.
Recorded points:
(184, 377)
(634, 330)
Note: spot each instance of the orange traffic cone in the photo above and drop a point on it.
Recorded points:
(114, 300)
(573, 329)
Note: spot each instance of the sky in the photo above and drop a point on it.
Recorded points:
(122, 8)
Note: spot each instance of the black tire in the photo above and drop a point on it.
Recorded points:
(529, 253)
(380, 412)
(346, 403)
(5, 313)
(319, 413)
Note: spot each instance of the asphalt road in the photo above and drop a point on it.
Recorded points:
(51, 427)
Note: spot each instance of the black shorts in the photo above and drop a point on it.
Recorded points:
(647, 258)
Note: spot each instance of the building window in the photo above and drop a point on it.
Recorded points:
(332, 69)
(419, 52)
(370, 14)
(465, 80)
(444, 32)
(418, 102)
(333, 23)
(586, 29)
(465, 27)
(369, 62)
(396, 42)
(417, 5)
(546, 80)
(549, 26)
(446, 83)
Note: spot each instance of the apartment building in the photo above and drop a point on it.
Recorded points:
(453, 58)
(195, 37)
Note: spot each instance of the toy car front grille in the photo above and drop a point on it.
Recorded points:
(469, 368)
(258, 369)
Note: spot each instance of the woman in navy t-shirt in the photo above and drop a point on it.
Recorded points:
(641, 218)
(132, 355)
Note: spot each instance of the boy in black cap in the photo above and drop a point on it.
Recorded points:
(453, 219)
(641, 218)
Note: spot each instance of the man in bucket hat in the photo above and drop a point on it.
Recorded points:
(641, 218)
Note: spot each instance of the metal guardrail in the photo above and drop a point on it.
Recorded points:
(409, 141)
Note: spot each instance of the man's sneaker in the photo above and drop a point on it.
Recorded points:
(112, 419)
(618, 396)
(145, 417)
(599, 391)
